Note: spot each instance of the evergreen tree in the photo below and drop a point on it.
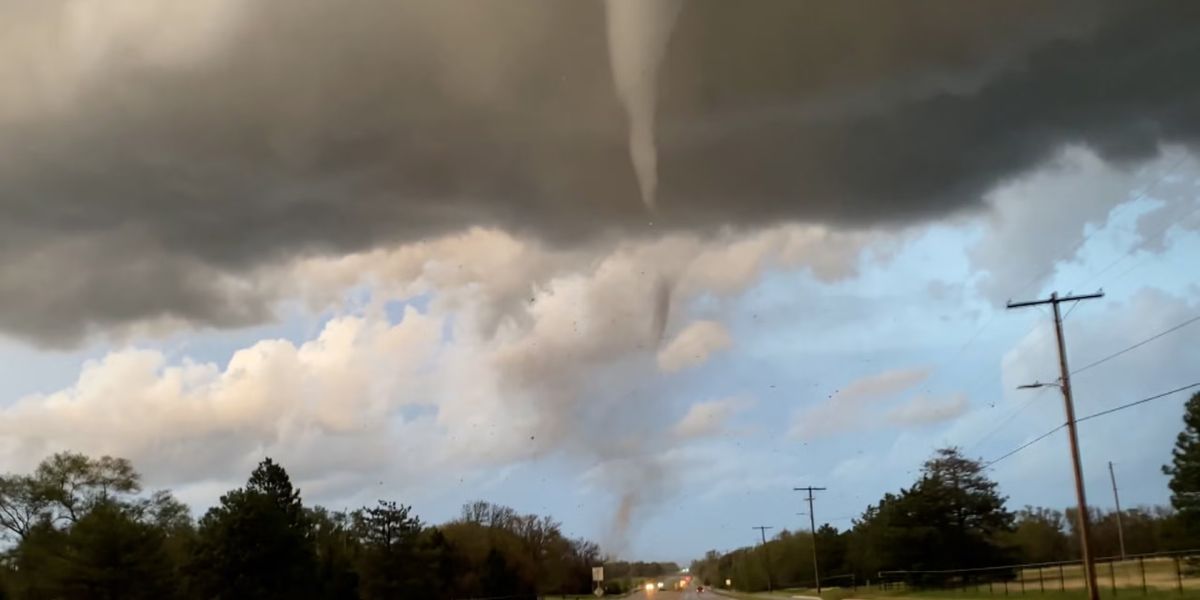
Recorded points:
(390, 566)
(106, 555)
(258, 543)
(337, 548)
(1185, 468)
(953, 517)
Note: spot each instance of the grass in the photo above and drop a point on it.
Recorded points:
(1159, 573)
(1161, 584)
(1055, 595)
(1130, 593)
(1049, 583)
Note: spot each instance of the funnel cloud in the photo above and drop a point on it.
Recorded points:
(638, 33)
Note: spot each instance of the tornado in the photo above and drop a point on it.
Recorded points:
(638, 32)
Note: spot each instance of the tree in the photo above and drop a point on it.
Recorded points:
(22, 505)
(831, 550)
(257, 543)
(106, 555)
(337, 548)
(64, 487)
(442, 562)
(1039, 535)
(1185, 469)
(952, 517)
(955, 496)
(499, 579)
(390, 568)
(74, 483)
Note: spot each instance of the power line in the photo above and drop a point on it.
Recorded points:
(1091, 416)
(1007, 420)
(1137, 345)
(1142, 401)
(1070, 310)
(1025, 445)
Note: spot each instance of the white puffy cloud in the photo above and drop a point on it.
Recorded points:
(335, 400)
(846, 409)
(502, 361)
(692, 346)
(925, 410)
(708, 417)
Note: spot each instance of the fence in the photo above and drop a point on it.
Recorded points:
(1142, 573)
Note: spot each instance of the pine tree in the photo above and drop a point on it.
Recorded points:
(258, 544)
(952, 517)
(1185, 467)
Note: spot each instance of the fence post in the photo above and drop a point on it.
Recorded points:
(1041, 581)
(1112, 577)
(1178, 575)
(1021, 578)
(1006, 587)
(1142, 568)
(1062, 580)
(990, 587)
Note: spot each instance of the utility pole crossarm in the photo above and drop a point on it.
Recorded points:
(1054, 299)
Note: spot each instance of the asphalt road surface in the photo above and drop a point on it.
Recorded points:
(689, 594)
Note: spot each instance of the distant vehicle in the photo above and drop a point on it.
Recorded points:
(699, 589)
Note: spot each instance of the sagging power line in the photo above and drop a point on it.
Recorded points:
(1089, 417)
(1137, 345)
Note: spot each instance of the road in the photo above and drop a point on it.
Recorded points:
(667, 595)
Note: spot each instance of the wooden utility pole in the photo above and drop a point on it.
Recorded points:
(766, 555)
(1085, 521)
(1117, 501)
(812, 524)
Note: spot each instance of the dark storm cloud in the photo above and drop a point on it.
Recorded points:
(132, 185)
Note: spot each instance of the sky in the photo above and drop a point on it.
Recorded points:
(643, 267)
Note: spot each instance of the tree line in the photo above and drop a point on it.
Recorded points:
(953, 517)
(80, 528)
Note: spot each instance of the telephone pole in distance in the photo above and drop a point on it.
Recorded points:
(812, 524)
(1117, 500)
(1085, 525)
(766, 554)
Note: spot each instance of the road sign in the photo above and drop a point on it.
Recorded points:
(597, 573)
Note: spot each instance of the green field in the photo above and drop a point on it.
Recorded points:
(968, 595)
(1116, 580)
